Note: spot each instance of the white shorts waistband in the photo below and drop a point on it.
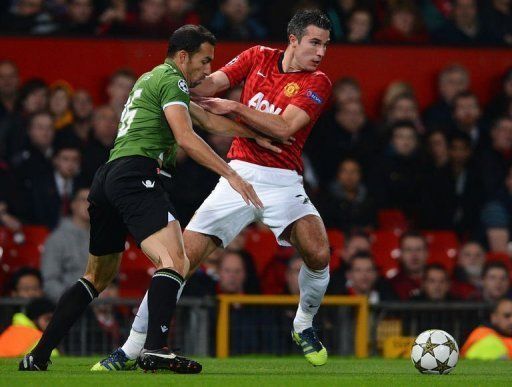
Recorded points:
(245, 164)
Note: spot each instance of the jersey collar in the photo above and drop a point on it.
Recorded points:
(171, 63)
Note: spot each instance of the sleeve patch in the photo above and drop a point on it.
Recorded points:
(315, 97)
(182, 84)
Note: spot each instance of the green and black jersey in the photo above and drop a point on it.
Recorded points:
(143, 129)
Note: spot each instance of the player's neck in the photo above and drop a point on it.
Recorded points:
(289, 64)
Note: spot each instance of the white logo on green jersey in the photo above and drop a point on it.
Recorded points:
(182, 84)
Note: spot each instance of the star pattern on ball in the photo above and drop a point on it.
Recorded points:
(428, 347)
(417, 365)
(442, 366)
(450, 344)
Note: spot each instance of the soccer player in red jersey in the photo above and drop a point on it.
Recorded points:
(283, 96)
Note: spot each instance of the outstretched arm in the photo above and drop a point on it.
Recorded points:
(212, 84)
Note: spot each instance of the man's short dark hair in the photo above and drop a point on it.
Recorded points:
(304, 18)
(361, 255)
(413, 234)
(22, 272)
(463, 95)
(123, 72)
(435, 266)
(33, 116)
(494, 265)
(189, 38)
(402, 124)
(496, 305)
(497, 122)
(460, 136)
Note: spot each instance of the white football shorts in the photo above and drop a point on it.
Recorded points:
(225, 214)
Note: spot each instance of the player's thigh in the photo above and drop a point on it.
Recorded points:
(223, 214)
(107, 231)
(309, 237)
(101, 270)
(198, 246)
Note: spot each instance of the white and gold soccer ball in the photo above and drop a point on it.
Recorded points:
(435, 352)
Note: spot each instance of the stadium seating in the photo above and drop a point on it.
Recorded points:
(392, 220)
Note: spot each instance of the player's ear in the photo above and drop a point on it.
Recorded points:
(182, 56)
(293, 40)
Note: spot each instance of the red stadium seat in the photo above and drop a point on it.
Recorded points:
(135, 272)
(16, 253)
(385, 249)
(501, 257)
(392, 220)
(443, 248)
(261, 244)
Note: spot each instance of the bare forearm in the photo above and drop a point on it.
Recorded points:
(272, 125)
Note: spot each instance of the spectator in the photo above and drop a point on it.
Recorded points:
(80, 129)
(107, 318)
(26, 329)
(9, 82)
(497, 17)
(148, 22)
(499, 105)
(356, 242)
(464, 28)
(233, 22)
(232, 274)
(292, 275)
(394, 90)
(339, 13)
(115, 13)
(451, 196)
(49, 197)
(495, 160)
(452, 80)
(495, 281)
(493, 341)
(79, 18)
(32, 98)
(179, 13)
(437, 149)
(60, 104)
(28, 16)
(346, 90)
(363, 280)
(435, 285)
(395, 177)
(26, 283)
(347, 203)
(403, 107)
(413, 259)
(203, 282)
(403, 26)
(67, 248)
(466, 116)
(467, 275)
(359, 26)
(36, 158)
(119, 88)
(497, 217)
(97, 150)
(344, 132)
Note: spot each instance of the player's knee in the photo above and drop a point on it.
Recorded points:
(318, 259)
(178, 262)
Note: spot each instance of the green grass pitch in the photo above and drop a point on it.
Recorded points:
(260, 372)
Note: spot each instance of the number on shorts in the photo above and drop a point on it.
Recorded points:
(128, 113)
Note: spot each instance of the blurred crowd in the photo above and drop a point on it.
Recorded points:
(447, 22)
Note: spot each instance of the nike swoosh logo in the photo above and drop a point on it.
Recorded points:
(163, 356)
(261, 74)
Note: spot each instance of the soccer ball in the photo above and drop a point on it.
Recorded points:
(435, 352)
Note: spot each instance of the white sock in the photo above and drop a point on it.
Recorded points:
(137, 337)
(312, 285)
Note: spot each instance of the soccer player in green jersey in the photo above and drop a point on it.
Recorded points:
(127, 196)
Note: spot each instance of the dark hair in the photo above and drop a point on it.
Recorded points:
(22, 272)
(361, 255)
(461, 95)
(67, 144)
(461, 136)
(358, 233)
(496, 304)
(189, 38)
(401, 124)
(28, 88)
(346, 81)
(494, 265)
(304, 18)
(435, 266)
(498, 121)
(412, 234)
(33, 116)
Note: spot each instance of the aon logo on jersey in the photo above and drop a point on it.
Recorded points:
(257, 102)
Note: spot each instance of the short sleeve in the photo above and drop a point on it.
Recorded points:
(173, 91)
(238, 68)
(314, 95)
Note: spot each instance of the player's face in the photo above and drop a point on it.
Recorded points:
(502, 318)
(311, 49)
(199, 65)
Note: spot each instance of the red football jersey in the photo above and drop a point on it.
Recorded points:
(269, 89)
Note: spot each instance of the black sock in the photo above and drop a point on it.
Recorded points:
(162, 294)
(70, 307)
